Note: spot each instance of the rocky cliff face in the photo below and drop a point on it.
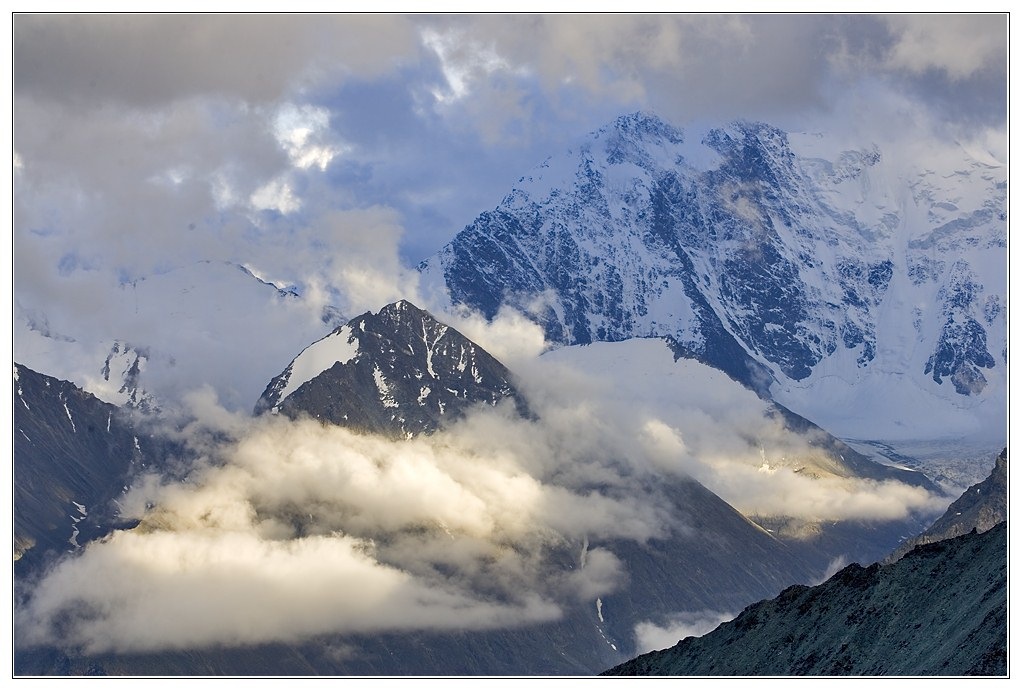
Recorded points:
(73, 456)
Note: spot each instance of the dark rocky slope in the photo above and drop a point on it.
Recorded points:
(937, 606)
(981, 507)
(940, 610)
(73, 456)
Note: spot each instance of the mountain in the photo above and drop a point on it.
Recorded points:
(939, 600)
(705, 298)
(74, 455)
(398, 372)
(865, 295)
(151, 340)
(980, 508)
(940, 610)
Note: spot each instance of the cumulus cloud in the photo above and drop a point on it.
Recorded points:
(922, 43)
(328, 531)
(510, 336)
(234, 588)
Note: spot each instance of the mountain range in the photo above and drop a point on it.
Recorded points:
(688, 563)
(721, 309)
(863, 294)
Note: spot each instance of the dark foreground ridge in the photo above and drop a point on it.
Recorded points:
(940, 610)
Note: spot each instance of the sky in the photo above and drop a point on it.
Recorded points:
(334, 153)
(142, 143)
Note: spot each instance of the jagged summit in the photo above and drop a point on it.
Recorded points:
(818, 281)
(398, 371)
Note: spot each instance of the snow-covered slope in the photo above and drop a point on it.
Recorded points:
(863, 293)
(158, 337)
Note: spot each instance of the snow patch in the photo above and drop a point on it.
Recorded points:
(68, 411)
(385, 391)
(431, 347)
(338, 347)
(20, 394)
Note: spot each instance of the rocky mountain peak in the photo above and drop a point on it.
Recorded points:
(398, 372)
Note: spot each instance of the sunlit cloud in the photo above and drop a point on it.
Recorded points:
(301, 131)
(276, 195)
(451, 530)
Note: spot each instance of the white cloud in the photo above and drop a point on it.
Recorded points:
(275, 195)
(926, 41)
(653, 637)
(511, 337)
(190, 589)
(463, 61)
(302, 131)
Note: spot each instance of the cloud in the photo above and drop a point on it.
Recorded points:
(511, 337)
(330, 532)
(187, 589)
(149, 60)
(922, 43)
(329, 153)
(495, 521)
(145, 142)
(653, 637)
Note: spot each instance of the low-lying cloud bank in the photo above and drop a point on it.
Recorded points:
(293, 529)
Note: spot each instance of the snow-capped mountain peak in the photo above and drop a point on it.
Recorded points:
(398, 371)
(809, 272)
